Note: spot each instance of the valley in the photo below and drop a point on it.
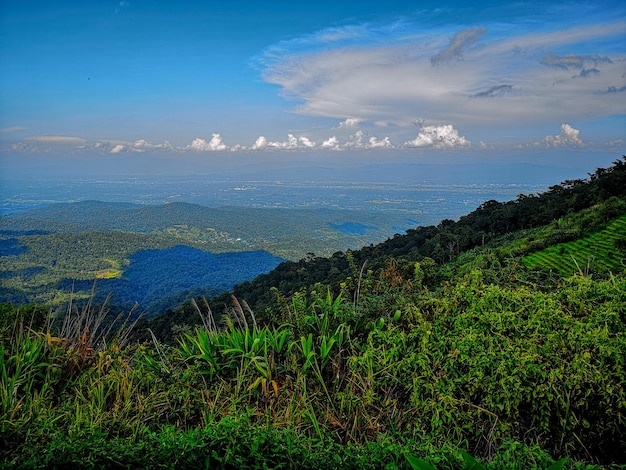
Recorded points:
(56, 240)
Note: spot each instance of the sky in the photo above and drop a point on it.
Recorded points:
(99, 85)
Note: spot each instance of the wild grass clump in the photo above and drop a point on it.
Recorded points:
(514, 376)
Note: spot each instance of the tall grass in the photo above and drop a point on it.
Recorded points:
(502, 372)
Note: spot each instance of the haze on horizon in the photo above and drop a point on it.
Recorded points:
(125, 87)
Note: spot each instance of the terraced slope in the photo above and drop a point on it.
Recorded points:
(601, 251)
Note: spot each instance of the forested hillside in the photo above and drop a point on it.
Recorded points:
(443, 348)
(568, 211)
(50, 253)
(287, 233)
(155, 272)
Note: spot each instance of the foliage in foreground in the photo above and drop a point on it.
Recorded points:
(517, 377)
(519, 369)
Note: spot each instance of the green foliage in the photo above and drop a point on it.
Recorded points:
(470, 463)
(407, 365)
(287, 233)
(92, 241)
(31, 316)
(474, 366)
(600, 252)
(510, 230)
(419, 464)
(52, 258)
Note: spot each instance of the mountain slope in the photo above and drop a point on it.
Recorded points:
(288, 233)
(493, 224)
(159, 279)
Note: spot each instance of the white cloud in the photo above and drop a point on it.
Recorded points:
(560, 37)
(118, 148)
(57, 140)
(331, 143)
(292, 143)
(213, 145)
(374, 143)
(439, 137)
(141, 146)
(261, 143)
(350, 123)
(19, 146)
(569, 137)
(7, 130)
(306, 142)
(477, 79)
(360, 140)
(355, 140)
(616, 144)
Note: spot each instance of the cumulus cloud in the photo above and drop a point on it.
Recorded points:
(616, 144)
(331, 143)
(374, 143)
(213, 145)
(292, 143)
(360, 140)
(569, 137)
(355, 140)
(118, 148)
(350, 123)
(439, 137)
(261, 143)
(142, 145)
(461, 41)
(139, 146)
(306, 142)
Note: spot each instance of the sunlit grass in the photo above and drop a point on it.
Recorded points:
(599, 251)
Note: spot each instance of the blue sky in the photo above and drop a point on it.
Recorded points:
(121, 78)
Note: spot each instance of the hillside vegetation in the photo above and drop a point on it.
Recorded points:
(50, 252)
(600, 251)
(443, 350)
(285, 232)
(495, 237)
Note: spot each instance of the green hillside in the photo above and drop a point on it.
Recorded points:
(601, 251)
(492, 237)
(45, 248)
(443, 350)
(287, 233)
